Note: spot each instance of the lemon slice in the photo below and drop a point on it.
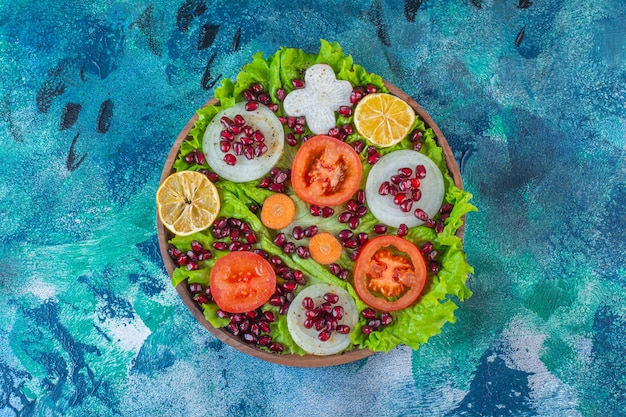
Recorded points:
(187, 202)
(383, 119)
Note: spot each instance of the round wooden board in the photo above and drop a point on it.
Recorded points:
(309, 361)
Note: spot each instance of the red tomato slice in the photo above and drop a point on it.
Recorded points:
(326, 171)
(241, 282)
(390, 273)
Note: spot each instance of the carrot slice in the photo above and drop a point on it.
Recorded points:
(325, 248)
(278, 211)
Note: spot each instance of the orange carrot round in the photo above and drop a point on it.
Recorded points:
(325, 248)
(278, 211)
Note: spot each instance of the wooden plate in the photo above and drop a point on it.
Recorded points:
(289, 360)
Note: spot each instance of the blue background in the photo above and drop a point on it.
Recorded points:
(93, 95)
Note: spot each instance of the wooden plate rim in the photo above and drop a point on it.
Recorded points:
(308, 361)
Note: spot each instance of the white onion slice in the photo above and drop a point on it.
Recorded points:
(383, 207)
(262, 119)
(307, 338)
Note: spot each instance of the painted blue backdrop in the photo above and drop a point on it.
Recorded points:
(531, 96)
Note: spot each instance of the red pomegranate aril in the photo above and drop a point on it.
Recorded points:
(384, 188)
(334, 268)
(345, 111)
(351, 205)
(337, 312)
(273, 107)
(344, 217)
(399, 198)
(367, 330)
(265, 182)
(256, 87)
(277, 300)
(260, 149)
(264, 98)
(299, 129)
(324, 335)
(347, 129)
(311, 313)
(368, 313)
(373, 158)
(434, 267)
(354, 255)
(196, 246)
(358, 146)
(331, 324)
(281, 177)
(239, 120)
(432, 255)
(345, 234)
(221, 223)
(195, 287)
(289, 248)
(426, 248)
(308, 303)
(205, 255)
(291, 139)
(220, 246)
(386, 319)
(198, 158)
(297, 232)
(291, 122)
(343, 274)
(334, 132)
(193, 256)
(213, 177)
(227, 122)
(354, 222)
(342, 329)
(277, 188)
(360, 211)
(264, 340)
(420, 171)
(252, 105)
(370, 89)
(362, 238)
(249, 337)
(406, 205)
(249, 95)
(380, 229)
(258, 136)
(234, 129)
(360, 196)
(244, 326)
(290, 286)
(319, 324)
(234, 246)
(276, 260)
(405, 185)
(331, 298)
(222, 314)
(303, 252)
(417, 146)
(251, 238)
(234, 234)
(439, 226)
(238, 148)
(420, 214)
(281, 94)
(299, 277)
(192, 265)
(327, 212)
(276, 347)
(416, 135)
(297, 83)
(402, 230)
(446, 208)
(355, 96)
(224, 146)
(375, 323)
(311, 231)
(416, 195)
(350, 243)
(248, 152)
(247, 130)
(174, 252)
(308, 323)
(233, 328)
(415, 183)
(189, 158)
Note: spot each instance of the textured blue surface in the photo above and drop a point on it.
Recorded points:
(93, 95)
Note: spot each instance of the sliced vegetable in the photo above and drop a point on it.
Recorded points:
(390, 273)
(383, 119)
(391, 171)
(325, 248)
(307, 333)
(278, 211)
(243, 145)
(241, 282)
(326, 171)
(320, 97)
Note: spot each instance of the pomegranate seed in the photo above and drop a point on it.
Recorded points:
(249, 337)
(234, 129)
(420, 214)
(416, 135)
(432, 255)
(308, 323)
(281, 94)
(226, 135)
(345, 111)
(297, 232)
(420, 171)
(174, 252)
(311, 231)
(280, 239)
(291, 122)
(281, 177)
(297, 83)
(315, 210)
(227, 122)
(362, 238)
(192, 255)
(373, 158)
(402, 230)
(273, 107)
(220, 246)
(380, 229)
(239, 120)
(248, 152)
(344, 217)
(446, 208)
(299, 277)
(334, 132)
(182, 260)
(264, 98)
(416, 195)
(234, 246)
(277, 188)
(308, 303)
(252, 105)
(238, 148)
(260, 149)
(234, 234)
(354, 255)
(327, 212)
(350, 243)
(291, 139)
(334, 268)
(265, 182)
(439, 226)
(342, 329)
(290, 286)
(276, 347)
(299, 129)
(249, 95)
(303, 252)
(213, 177)
(434, 267)
(354, 222)
(367, 330)
(361, 211)
(415, 183)
(289, 248)
(256, 87)
(233, 328)
(345, 234)
(264, 340)
(360, 196)
(417, 146)
(195, 287)
(196, 246)
(331, 298)
(375, 323)
(189, 158)
(347, 129)
(351, 205)
(251, 238)
(312, 312)
(277, 300)
(324, 335)
(269, 316)
(358, 146)
(406, 205)
(386, 319)
(430, 223)
(337, 312)
(198, 158)
(224, 146)
(355, 96)
(368, 313)
(344, 274)
(399, 198)
(426, 248)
